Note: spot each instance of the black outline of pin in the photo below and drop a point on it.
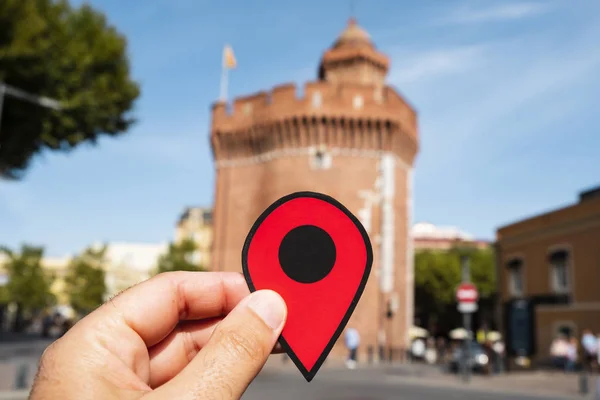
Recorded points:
(310, 374)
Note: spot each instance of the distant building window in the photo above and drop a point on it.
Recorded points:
(247, 109)
(207, 217)
(358, 102)
(515, 277)
(559, 271)
(317, 100)
(320, 159)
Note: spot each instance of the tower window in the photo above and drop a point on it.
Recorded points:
(247, 109)
(207, 217)
(320, 159)
(317, 100)
(358, 102)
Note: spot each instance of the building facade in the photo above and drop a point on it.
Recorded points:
(127, 264)
(58, 268)
(54, 267)
(196, 224)
(350, 136)
(548, 276)
(427, 236)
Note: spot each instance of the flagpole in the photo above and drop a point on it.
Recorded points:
(224, 82)
(224, 76)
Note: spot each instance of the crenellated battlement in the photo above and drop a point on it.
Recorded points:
(318, 99)
(346, 134)
(348, 107)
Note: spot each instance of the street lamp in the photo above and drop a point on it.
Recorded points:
(23, 95)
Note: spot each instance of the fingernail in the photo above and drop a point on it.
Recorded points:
(269, 306)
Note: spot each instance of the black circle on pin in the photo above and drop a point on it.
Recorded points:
(307, 254)
(340, 247)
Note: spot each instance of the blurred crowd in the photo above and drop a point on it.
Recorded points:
(486, 354)
(569, 354)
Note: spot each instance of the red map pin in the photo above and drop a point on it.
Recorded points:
(312, 251)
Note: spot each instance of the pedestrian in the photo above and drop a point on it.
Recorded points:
(598, 351)
(571, 354)
(589, 342)
(498, 348)
(352, 339)
(558, 352)
(482, 334)
(430, 351)
(441, 348)
(417, 349)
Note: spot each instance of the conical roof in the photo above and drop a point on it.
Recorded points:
(353, 35)
(352, 45)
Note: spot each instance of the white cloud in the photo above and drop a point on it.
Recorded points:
(462, 112)
(181, 142)
(501, 12)
(434, 63)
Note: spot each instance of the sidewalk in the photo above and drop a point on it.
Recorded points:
(19, 356)
(14, 395)
(554, 385)
(542, 384)
(537, 384)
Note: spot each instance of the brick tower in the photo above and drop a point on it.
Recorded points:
(350, 136)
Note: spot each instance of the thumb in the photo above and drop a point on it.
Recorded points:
(235, 353)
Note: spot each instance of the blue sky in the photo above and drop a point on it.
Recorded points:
(508, 94)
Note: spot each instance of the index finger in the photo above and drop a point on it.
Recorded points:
(153, 308)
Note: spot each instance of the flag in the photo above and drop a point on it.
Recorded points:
(229, 61)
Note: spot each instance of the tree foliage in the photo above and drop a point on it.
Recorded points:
(70, 54)
(179, 257)
(29, 284)
(438, 273)
(85, 280)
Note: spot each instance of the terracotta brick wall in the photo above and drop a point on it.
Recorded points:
(577, 230)
(263, 146)
(252, 188)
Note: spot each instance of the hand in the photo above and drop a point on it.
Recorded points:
(179, 335)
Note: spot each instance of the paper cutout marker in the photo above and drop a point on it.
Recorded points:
(315, 253)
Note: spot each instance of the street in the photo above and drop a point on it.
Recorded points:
(366, 385)
(333, 382)
(19, 356)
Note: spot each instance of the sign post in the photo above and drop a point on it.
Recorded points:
(466, 296)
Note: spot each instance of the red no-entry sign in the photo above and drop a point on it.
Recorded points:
(467, 296)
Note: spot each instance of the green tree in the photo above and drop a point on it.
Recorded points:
(483, 271)
(29, 285)
(179, 257)
(74, 55)
(438, 273)
(85, 280)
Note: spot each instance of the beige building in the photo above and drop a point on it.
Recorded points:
(126, 264)
(130, 263)
(549, 276)
(57, 268)
(427, 236)
(196, 223)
